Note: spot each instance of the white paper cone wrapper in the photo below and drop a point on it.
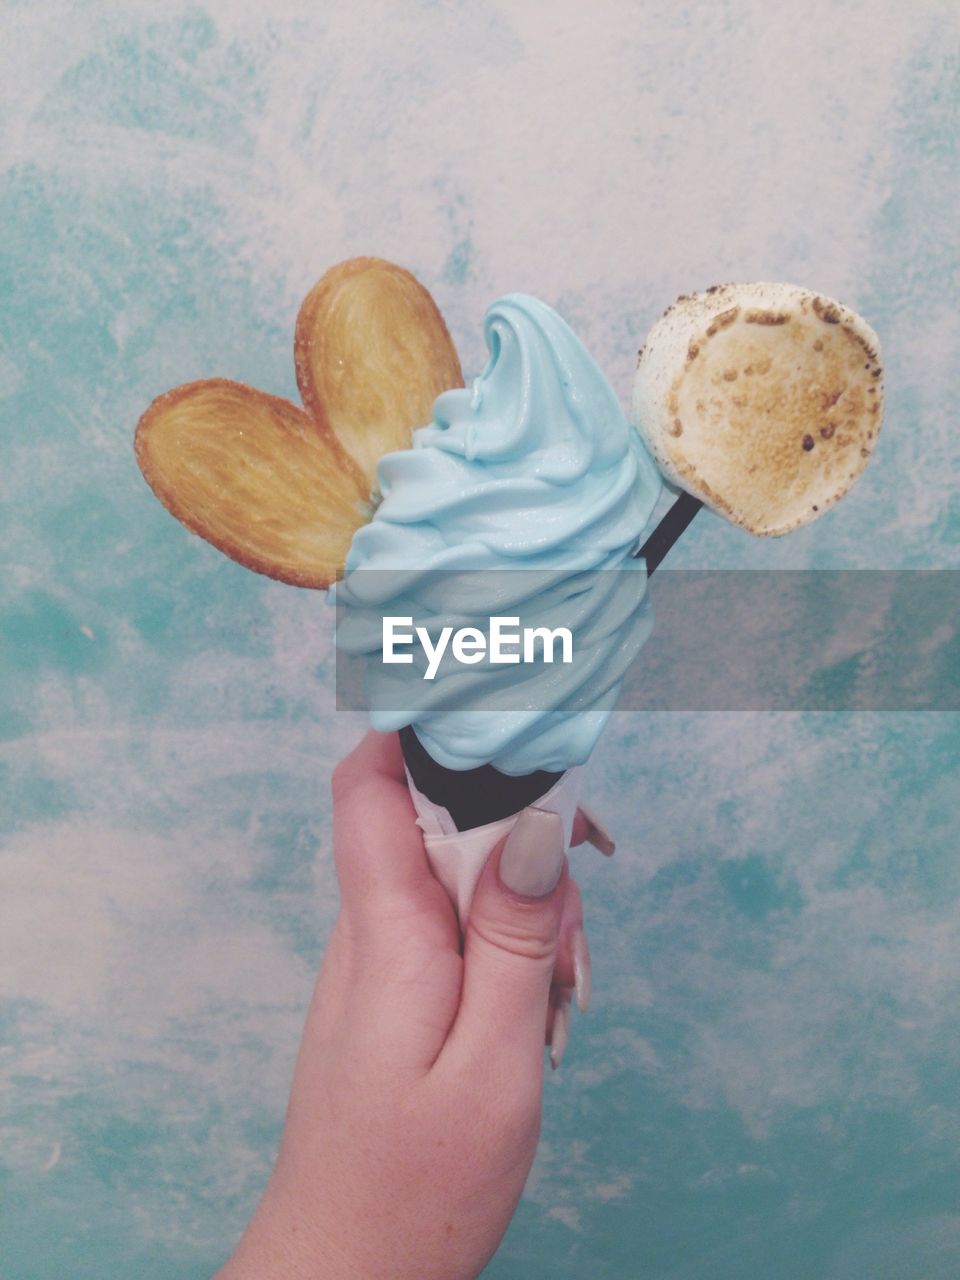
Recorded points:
(458, 857)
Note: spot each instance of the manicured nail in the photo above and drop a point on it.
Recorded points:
(532, 858)
(582, 969)
(597, 833)
(561, 1031)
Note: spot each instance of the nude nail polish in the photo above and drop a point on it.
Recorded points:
(561, 1032)
(597, 834)
(532, 858)
(582, 969)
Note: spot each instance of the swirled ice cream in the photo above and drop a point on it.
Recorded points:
(526, 495)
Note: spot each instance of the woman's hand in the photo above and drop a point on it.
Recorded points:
(416, 1101)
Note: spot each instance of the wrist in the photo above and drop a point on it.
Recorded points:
(282, 1243)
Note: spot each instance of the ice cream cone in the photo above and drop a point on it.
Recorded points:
(761, 400)
(464, 814)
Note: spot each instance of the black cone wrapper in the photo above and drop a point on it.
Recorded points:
(472, 797)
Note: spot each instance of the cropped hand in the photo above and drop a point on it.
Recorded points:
(416, 1101)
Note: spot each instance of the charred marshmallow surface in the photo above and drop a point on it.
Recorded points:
(764, 400)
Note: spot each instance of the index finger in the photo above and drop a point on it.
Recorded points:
(381, 864)
(375, 753)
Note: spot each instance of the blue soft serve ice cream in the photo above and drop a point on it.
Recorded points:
(525, 496)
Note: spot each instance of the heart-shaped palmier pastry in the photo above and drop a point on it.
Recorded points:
(280, 489)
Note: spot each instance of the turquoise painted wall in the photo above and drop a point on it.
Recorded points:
(768, 1082)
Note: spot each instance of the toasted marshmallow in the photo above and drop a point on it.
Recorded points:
(763, 400)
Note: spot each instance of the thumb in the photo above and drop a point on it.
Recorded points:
(511, 945)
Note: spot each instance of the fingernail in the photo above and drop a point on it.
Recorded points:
(597, 833)
(532, 858)
(582, 969)
(561, 1031)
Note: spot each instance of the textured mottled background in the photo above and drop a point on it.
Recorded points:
(768, 1083)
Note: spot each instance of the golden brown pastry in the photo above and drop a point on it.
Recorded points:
(281, 489)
